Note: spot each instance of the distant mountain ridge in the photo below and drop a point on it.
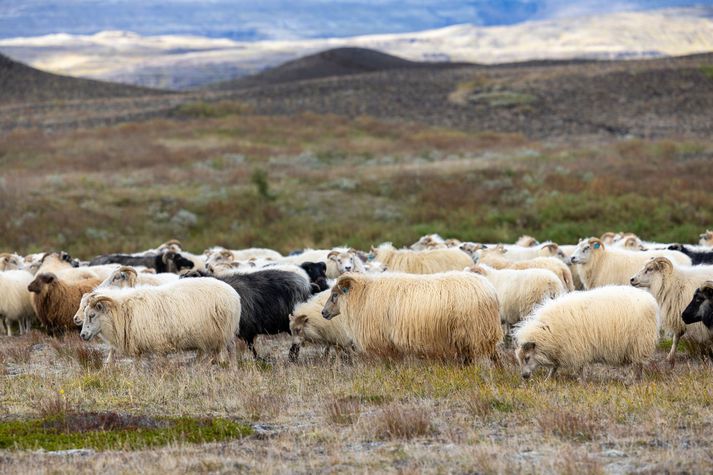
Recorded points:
(185, 62)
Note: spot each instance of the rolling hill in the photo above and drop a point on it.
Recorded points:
(20, 83)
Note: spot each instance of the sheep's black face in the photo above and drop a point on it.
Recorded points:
(317, 272)
(700, 309)
(181, 262)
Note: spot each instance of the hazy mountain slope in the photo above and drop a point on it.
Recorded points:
(190, 61)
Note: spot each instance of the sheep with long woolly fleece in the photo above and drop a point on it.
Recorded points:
(493, 257)
(125, 277)
(191, 314)
(9, 261)
(520, 291)
(15, 302)
(56, 300)
(307, 324)
(421, 262)
(599, 265)
(452, 315)
(614, 325)
(673, 286)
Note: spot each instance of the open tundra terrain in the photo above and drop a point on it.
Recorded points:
(367, 149)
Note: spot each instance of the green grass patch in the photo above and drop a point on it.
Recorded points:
(112, 431)
(707, 70)
(502, 99)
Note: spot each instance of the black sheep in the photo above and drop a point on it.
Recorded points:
(166, 262)
(697, 257)
(267, 298)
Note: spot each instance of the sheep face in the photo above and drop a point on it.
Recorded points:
(471, 248)
(341, 289)
(701, 307)
(11, 262)
(706, 239)
(78, 318)
(585, 250)
(41, 283)
(123, 277)
(651, 272)
(297, 325)
(343, 260)
(95, 310)
(527, 358)
(317, 273)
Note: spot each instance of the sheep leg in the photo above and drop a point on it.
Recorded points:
(251, 346)
(110, 357)
(638, 371)
(8, 324)
(671, 358)
(552, 372)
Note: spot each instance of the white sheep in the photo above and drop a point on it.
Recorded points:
(613, 324)
(493, 257)
(520, 291)
(330, 257)
(706, 239)
(15, 300)
(191, 314)
(673, 287)
(517, 253)
(421, 262)
(429, 241)
(307, 324)
(451, 315)
(10, 261)
(598, 265)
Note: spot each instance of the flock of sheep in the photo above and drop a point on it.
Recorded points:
(606, 299)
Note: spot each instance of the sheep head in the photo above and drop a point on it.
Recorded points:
(526, 355)
(526, 241)
(700, 309)
(341, 288)
(42, 282)
(98, 307)
(10, 262)
(655, 267)
(586, 249)
(343, 260)
(124, 276)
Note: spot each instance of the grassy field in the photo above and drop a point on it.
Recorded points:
(217, 174)
(388, 416)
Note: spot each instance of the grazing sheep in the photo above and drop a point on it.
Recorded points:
(307, 324)
(56, 300)
(451, 315)
(493, 257)
(421, 262)
(614, 325)
(15, 302)
(125, 277)
(268, 297)
(526, 241)
(673, 286)
(167, 262)
(598, 265)
(706, 239)
(520, 291)
(698, 256)
(700, 308)
(193, 314)
(11, 262)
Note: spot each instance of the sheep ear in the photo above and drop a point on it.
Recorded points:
(528, 346)
(345, 284)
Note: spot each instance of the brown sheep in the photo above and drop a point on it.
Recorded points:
(56, 301)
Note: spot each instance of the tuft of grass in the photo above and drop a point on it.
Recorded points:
(568, 424)
(260, 406)
(343, 411)
(398, 421)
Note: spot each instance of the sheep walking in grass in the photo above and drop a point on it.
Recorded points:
(599, 265)
(520, 291)
(191, 314)
(307, 325)
(614, 325)
(421, 262)
(673, 286)
(15, 301)
(451, 315)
